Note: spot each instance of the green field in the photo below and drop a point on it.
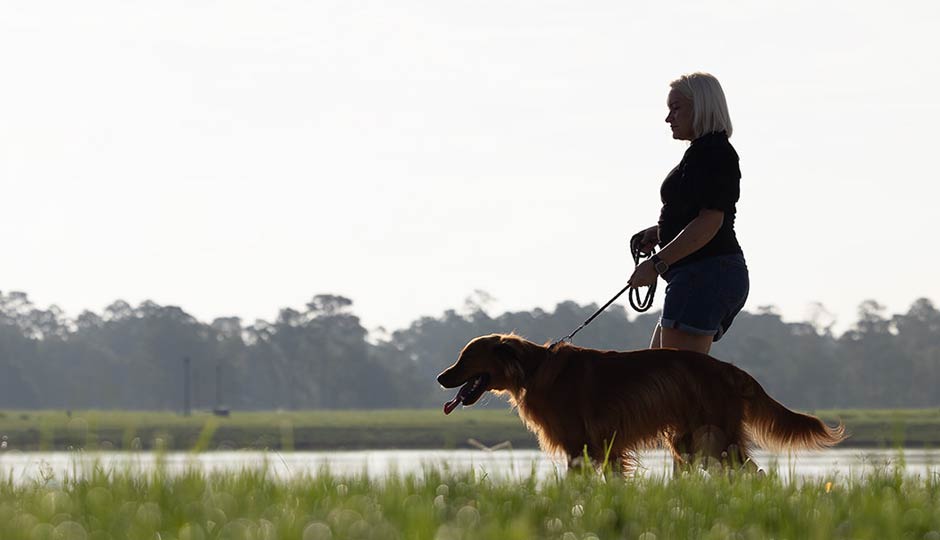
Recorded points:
(335, 430)
(115, 505)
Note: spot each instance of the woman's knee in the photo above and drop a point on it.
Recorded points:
(674, 338)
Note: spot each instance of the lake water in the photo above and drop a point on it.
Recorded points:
(30, 466)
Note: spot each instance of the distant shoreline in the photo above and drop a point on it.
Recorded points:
(52, 430)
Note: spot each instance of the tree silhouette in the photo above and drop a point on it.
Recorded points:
(321, 357)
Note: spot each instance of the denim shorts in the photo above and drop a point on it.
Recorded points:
(703, 297)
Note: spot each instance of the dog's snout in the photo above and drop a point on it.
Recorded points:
(446, 378)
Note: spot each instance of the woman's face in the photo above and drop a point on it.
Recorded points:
(680, 116)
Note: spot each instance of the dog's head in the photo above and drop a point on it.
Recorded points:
(495, 362)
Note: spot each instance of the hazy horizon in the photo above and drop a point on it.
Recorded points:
(234, 159)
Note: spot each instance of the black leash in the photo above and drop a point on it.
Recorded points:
(636, 302)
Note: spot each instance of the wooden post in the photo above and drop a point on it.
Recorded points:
(186, 403)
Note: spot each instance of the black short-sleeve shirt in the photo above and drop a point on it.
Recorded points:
(707, 177)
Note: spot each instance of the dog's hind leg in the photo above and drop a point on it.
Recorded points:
(709, 446)
(681, 446)
(737, 457)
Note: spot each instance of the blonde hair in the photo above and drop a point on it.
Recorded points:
(709, 108)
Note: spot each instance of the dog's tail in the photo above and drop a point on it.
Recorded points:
(775, 427)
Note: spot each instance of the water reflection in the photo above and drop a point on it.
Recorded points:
(377, 464)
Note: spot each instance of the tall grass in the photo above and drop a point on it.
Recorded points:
(443, 505)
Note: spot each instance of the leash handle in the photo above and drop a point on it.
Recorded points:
(641, 304)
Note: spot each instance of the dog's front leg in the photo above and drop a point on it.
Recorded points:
(591, 460)
(580, 462)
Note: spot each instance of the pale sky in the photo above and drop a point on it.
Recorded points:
(237, 157)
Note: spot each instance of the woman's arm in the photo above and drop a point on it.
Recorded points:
(692, 238)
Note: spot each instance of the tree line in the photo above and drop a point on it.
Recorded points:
(321, 357)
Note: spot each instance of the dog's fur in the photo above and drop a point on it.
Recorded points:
(577, 399)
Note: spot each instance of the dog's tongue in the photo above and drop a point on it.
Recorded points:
(458, 399)
(452, 404)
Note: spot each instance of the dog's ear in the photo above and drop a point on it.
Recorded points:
(509, 349)
(511, 353)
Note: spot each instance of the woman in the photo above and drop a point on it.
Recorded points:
(700, 258)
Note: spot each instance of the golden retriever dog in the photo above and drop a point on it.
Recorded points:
(611, 404)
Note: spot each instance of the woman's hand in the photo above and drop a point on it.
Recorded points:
(644, 275)
(648, 239)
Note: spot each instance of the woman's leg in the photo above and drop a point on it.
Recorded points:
(657, 341)
(677, 339)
